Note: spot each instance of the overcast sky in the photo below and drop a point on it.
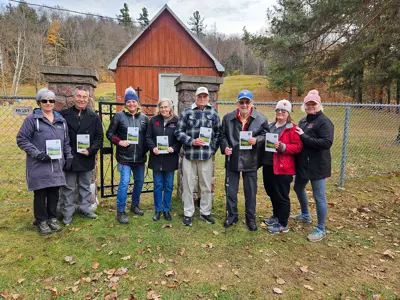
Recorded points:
(229, 16)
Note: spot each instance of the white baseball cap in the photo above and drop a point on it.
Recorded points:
(285, 105)
(201, 90)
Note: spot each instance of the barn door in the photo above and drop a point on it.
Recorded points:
(166, 88)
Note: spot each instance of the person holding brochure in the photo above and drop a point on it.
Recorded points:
(314, 162)
(131, 151)
(86, 136)
(198, 130)
(164, 156)
(282, 143)
(239, 137)
(44, 138)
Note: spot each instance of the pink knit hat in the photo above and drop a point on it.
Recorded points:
(313, 96)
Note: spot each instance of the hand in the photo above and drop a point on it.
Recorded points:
(228, 151)
(156, 151)
(123, 143)
(68, 165)
(170, 150)
(252, 141)
(277, 145)
(84, 152)
(43, 157)
(198, 142)
(299, 131)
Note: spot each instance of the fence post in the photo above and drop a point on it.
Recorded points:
(344, 146)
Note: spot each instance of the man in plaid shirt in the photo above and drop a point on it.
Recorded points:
(198, 130)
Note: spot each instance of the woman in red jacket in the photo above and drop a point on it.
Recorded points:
(279, 168)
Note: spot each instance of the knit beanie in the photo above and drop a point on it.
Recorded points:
(313, 96)
(130, 94)
(44, 93)
(285, 105)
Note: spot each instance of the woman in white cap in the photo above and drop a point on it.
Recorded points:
(279, 167)
(314, 162)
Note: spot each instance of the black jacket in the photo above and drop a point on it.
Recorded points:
(314, 161)
(163, 162)
(118, 130)
(241, 160)
(87, 123)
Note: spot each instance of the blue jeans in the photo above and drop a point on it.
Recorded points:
(319, 194)
(163, 181)
(138, 179)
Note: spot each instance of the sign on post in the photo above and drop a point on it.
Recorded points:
(21, 110)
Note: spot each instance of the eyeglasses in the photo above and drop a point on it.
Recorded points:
(280, 110)
(47, 101)
(241, 102)
(164, 107)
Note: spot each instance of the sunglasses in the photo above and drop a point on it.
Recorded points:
(241, 102)
(280, 110)
(47, 101)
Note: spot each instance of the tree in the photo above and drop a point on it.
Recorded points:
(124, 18)
(196, 24)
(144, 18)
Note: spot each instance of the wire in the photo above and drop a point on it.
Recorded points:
(67, 10)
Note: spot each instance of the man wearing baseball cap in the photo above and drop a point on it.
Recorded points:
(240, 134)
(198, 131)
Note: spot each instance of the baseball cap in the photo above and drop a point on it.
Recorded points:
(245, 94)
(201, 90)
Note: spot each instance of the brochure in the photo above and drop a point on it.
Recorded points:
(205, 135)
(162, 144)
(244, 137)
(53, 149)
(270, 140)
(82, 142)
(133, 135)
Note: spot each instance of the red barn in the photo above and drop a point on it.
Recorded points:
(160, 53)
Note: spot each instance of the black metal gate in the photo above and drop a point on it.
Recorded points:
(109, 179)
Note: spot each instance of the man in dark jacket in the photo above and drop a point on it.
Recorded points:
(86, 135)
(240, 134)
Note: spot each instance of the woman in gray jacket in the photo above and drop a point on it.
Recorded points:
(44, 138)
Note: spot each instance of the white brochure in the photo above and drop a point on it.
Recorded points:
(205, 135)
(162, 144)
(244, 137)
(270, 140)
(82, 142)
(133, 135)
(53, 149)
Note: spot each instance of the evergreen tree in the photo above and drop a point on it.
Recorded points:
(144, 18)
(124, 18)
(196, 24)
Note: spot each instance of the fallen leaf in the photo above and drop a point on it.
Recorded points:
(215, 232)
(74, 289)
(20, 256)
(280, 281)
(114, 279)
(389, 253)
(86, 279)
(207, 245)
(15, 296)
(297, 264)
(121, 271)
(161, 260)
(308, 287)
(109, 272)
(95, 266)
(152, 295)
(223, 288)
(277, 291)
(170, 273)
(304, 269)
(126, 257)
(139, 241)
(166, 226)
(182, 251)
(376, 296)
(21, 280)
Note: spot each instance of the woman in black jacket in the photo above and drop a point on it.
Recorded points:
(314, 162)
(164, 150)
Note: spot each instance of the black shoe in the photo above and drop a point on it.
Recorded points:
(122, 217)
(137, 211)
(251, 225)
(157, 216)
(209, 219)
(44, 228)
(187, 221)
(53, 224)
(230, 221)
(167, 216)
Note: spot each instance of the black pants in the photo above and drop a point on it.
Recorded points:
(45, 203)
(278, 189)
(250, 192)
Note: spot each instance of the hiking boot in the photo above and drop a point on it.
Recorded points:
(317, 235)
(187, 221)
(230, 221)
(209, 219)
(90, 215)
(167, 216)
(278, 228)
(271, 221)
(157, 216)
(44, 228)
(137, 211)
(251, 224)
(53, 224)
(67, 221)
(306, 219)
(122, 217)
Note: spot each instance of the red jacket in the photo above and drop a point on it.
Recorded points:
(284, 161)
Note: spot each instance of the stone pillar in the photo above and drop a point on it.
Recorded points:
(186, 87)
(63, 80)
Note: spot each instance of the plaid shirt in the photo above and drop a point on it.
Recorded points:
(188, 129)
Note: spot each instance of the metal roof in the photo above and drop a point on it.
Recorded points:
(113, 65)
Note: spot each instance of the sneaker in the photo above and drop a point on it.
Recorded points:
(209, 219)
(137, 211)
(67, 221)
(302, 218)
(122, 217)
(278, 228)
(317, 235)
(157, 216)
(271, 221)
(90, 215)
(167, 216)
(44, 228)
(230, 221)
(187, 221)
(251, 224)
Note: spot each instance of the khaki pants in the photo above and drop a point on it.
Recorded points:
(204, 170)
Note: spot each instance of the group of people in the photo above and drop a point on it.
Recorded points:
(302, 150)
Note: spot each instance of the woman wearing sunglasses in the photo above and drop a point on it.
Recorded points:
(279, 167)
(44, 138)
